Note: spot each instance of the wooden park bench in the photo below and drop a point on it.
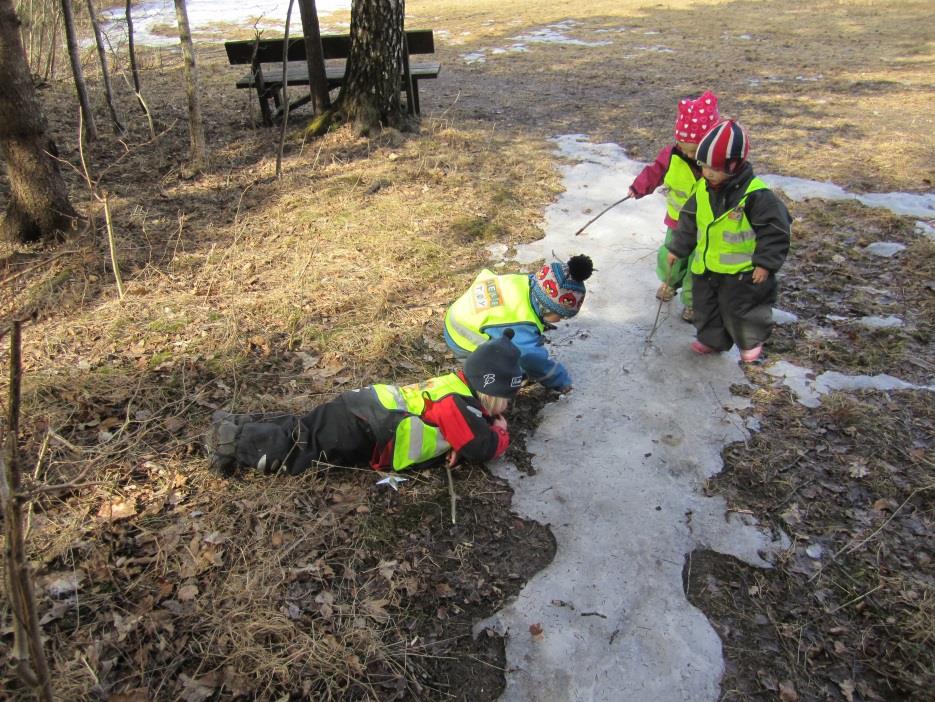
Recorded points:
(264, 56)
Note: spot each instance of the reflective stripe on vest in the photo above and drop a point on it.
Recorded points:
(492, 300)
(680, 184)
(416, 441)
(726, 244)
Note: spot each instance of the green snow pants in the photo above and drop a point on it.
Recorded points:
(680, 276)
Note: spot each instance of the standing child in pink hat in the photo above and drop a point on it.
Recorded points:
(675, 168)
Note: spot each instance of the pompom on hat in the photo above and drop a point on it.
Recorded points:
(559, 287)
(493, 367)
(725, 147)
(695, 117)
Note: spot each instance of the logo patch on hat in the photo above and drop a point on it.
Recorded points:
(489, 379)
(516, 381)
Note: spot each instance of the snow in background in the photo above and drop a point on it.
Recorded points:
(203, 17)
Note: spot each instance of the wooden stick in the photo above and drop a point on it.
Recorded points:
(113, 248)
(601, 213)
(451, 494)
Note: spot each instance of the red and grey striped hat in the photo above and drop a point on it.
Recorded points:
(725, 147)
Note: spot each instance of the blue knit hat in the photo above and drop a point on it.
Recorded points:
(559, 287)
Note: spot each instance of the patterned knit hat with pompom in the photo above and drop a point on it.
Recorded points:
(559, 287)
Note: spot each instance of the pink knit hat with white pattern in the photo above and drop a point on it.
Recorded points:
(696, 117)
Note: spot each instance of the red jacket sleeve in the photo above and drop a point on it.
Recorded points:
(467, 428)
(652, 175)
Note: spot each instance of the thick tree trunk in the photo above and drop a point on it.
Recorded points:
(72, 40)
(317, 79)
(39, 206)
(370, 97)
(199, 154)
(105, 70)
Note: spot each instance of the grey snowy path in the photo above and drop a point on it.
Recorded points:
(620, 464)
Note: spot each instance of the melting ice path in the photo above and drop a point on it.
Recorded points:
(620, 463)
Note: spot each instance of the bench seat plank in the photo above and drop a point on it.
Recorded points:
(297, 74)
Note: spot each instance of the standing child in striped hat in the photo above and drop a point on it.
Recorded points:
(739, 231)
(675, 167)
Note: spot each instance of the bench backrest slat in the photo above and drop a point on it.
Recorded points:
(334, 46)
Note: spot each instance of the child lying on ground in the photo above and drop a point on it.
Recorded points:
(459, 414)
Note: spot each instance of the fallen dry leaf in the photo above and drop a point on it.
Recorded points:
(174, 425)
(884, 504)
(187, 593)
(535, 630)
(847, 689)
(787, 692)
(121, 508)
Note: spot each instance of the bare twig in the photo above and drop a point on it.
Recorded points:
(601, 213)
(27, 646)
(285, 92)
(451, 494)
(113, 247)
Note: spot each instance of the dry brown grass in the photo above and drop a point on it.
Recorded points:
(249, 293)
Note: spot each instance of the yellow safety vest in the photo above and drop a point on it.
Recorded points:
(725, 244)
(680, 184)
(416, 441)
(492, 300)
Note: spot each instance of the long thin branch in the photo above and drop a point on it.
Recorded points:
(19, 578)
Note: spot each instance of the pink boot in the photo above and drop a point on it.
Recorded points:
(700, 348)
(750, 355)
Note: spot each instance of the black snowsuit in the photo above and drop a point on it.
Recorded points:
(732, 309)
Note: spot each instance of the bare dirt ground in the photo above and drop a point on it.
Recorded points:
(159, 581)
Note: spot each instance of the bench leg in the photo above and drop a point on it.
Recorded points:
(264, 108)
(415, 96)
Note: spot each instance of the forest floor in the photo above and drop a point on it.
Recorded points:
(158, 580)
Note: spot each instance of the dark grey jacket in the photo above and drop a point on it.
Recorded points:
(767, 214)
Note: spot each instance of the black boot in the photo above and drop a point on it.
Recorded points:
(221, 441)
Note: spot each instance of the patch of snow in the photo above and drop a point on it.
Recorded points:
(912, 204)
(809, 79)
(816, 333)
(926, 229)
(203, 17)
(474, 57)
(644, 427)
(783, 317)
(814, 551)
(887, 322)
(655, 49)
(809, 389)
(884, 249)
(552, 35)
